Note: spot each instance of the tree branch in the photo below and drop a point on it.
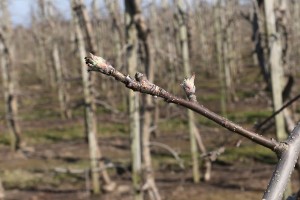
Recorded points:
(260, 125)
(285, 166)
(142, 85)
(169, 149)
(287, 151)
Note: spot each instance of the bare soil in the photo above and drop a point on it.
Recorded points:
(31, 175)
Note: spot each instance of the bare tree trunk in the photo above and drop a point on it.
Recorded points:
(116, 29)
(225, 50)
(134, 115)
(156, 45)
(219, 47)
(85, 24)
(275, 61)
(257, 38)
(44, 36)
(276, 67)
(90, 120)
(2, 191)
(90, 108)
(230, 52)
(147, 106)
(181, 15)
(65, 112)
(97, 26)
(202, 34)
(9, 79)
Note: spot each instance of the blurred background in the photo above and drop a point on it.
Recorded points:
(66, 133)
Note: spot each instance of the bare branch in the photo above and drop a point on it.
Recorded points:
(141, 84)
(285, 166)
(173, 152)
(260, 125)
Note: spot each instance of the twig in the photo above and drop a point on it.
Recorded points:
(287, 151)
(106, 106)
(260, 125)
(141, 84)
(213, 155)
(168, 148)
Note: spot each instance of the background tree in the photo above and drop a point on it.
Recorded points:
(9, 78)
(81, 21)
(48, 52)
(133, 99)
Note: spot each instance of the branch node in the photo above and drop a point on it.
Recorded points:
(96, 63)
(188, 86)
(280, 147)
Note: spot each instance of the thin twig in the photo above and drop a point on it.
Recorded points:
(173, 152)
(260, 125)
(141, 84)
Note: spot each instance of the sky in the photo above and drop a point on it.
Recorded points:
(20, 9)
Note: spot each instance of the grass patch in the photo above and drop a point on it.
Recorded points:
(113, 129)
(249, 116)
(209, 97)
(5, 138)
(55, 134)
(255, 152)
(20, 179)
(167, 161)
(41, 113)
(245, 94)
(175, 124)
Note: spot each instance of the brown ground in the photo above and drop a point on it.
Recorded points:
(32, 176)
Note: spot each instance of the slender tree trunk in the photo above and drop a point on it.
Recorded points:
(2, 191)
(276, 67)
(112, 6)
(200, 23)
(225, 51)
(90, 108)
(90, 120)
(181, 15)
(65, 112)
(9, 78)
(97, 25)
(44, 36)
(230, 56)
(85, 24)
(296, 32)
(157, 45)
(134, 115)
(147, 105)
(219, 52)
(275, 60)
(257, 38)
